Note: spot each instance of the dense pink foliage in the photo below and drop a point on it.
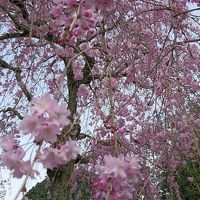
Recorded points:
(117, 178)
(110, 86)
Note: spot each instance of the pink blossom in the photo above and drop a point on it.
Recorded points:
(7, 143)
(50, 158)
(77, 70)
(121, 131)
(46, 121)
(40, 128)
(105, 4)
(120, 174)
(58, 115)
(71, 2)
(113, 165)
(133, 161)
(53, 157)
(30, 124)
(43, 104)
(65, 53)
(190, 179)
(46, 132)
(13, 161)
(70, 150)
(56, 11)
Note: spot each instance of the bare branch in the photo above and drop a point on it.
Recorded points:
(5, 65)
(12, 36)
(189, 41)
(14, 112)
(17, 72)
(21, 5)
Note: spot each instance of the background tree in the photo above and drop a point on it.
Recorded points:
(124, 72)
(187, 175)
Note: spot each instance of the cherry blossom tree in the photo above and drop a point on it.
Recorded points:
(107, 93)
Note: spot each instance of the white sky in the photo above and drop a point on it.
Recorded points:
(15, 184)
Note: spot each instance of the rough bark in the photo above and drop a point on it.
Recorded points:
(60, 178)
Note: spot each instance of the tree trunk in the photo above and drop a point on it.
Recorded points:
(58, 187)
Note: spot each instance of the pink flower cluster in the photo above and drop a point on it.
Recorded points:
(82, 20)
(53, 157)
(104, 4)
(46, 121)
(13, 156)
(117, 178)
(192, 1)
